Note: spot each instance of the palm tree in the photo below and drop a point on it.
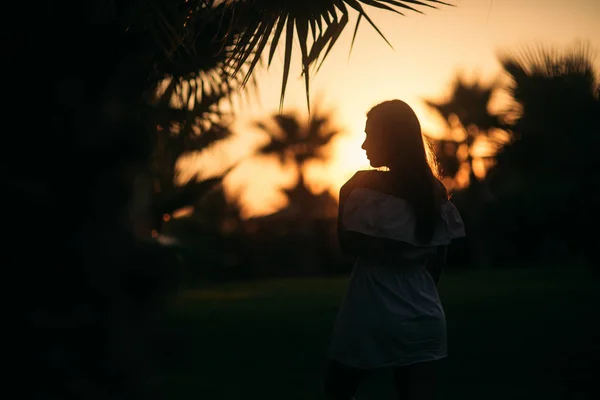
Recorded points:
(301, 227)
(298, 142)
(180, 131)
(467, 110)
(546, 181)
(555, 99)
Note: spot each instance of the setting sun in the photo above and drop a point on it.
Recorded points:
(348, 157)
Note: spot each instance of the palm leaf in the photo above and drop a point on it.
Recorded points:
(325, 19)
(180, 196)
(354, 34)
(231, 36)
(330, 37)
(469, 102)
(193, 128)
(200, 63)
(529, 62)
(292, 138)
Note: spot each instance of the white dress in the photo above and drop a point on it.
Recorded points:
(392, 314)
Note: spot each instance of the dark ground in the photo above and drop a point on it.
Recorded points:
(513, 334)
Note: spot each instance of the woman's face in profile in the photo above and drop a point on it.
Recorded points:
(374, 145)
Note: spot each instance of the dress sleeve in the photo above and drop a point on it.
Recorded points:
(354, 241)
(381, 215)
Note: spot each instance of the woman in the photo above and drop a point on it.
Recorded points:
(397, 224)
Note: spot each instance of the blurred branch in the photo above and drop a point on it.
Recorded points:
(180, 196)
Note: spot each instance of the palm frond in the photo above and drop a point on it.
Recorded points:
(315, 24)
(232, 35)
(469, 102)
(193, 127)
(184, 120)
(554, 91)
(540, 60)
(290, 125)
(291, 138)
(199, 64)
(529, 63)
(180, 196)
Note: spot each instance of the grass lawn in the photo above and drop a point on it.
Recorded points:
(512, 334)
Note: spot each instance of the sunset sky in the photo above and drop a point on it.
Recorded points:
(428, 51)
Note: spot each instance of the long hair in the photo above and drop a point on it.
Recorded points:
(412, 164)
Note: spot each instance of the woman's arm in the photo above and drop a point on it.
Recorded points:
(358, 244)
(436, 264)
(361, 245)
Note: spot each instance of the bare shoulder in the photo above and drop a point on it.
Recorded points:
(364, 179)
(361, 179)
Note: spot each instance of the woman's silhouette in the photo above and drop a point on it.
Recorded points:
(397, 224)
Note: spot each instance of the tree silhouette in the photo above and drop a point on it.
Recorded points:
(545, 182)
(297, 141)
(466, 110)
(180, 131)
(555, 102)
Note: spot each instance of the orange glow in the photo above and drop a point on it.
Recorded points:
(482, 148)
(462, 152)
(347, 157)
(479, 167)
(166, 217)
(428, 51)
(348, 154)
(462, 177)
(183, 212)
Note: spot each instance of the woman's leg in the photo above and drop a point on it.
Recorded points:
(341, 381)
(416, 381)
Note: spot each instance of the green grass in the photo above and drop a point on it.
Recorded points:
(511, 334)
